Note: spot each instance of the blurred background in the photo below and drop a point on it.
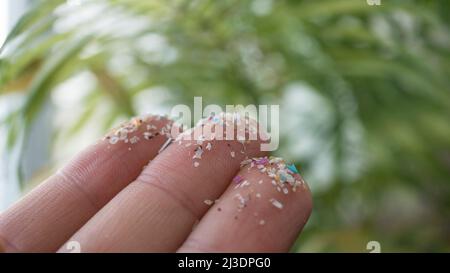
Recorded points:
(363, 91)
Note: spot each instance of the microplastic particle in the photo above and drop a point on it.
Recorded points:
(276, 203)
(208, 202)
(237, 179)
(134, 139)
(113, 140)
(292, 168)
(208, 146)
(198, 153)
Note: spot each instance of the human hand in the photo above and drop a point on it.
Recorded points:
(121, 195)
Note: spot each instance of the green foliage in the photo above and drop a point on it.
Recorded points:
(386, 68)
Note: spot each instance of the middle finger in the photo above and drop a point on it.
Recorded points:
(157, 212)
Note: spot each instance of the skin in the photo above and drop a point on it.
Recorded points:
(130, 198)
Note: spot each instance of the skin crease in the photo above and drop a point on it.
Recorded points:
(115, 209)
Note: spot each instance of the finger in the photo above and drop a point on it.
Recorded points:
(255, 215)
(45, 218)
(157, 211)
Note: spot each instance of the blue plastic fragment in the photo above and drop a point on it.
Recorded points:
(292, 168)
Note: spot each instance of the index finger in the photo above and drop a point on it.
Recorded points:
(45, 218)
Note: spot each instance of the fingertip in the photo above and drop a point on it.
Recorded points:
(264, 209)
